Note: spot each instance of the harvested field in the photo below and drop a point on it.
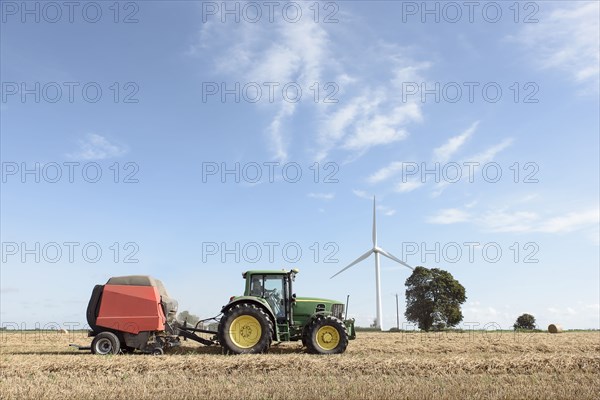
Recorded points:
(499, 365)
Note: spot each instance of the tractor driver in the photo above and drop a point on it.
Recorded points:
(256, 288)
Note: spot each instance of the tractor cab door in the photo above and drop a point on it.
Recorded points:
(275, 290)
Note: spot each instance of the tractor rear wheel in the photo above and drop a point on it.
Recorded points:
(245, 329)
(106, 343)
(327, 335)
(305, 337)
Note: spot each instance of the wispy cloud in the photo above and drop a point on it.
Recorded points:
(97, 147)
(279, 53)
(482, 314)
(448, 149)
(369, 111)
(570, 311)
(448, 216)
(383, 127)
(571, 221)
(505, 221)
(441, 155)
(526, 221)
(375, 114)
(508, 221)
(408, 186)
(386, 172)
(362, 194)
(491, 152)
(387, 211)
(479, 159)
(321, 196)
(336, 125)
(471, 204)
(566, 39)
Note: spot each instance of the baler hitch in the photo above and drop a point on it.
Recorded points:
(188, 332)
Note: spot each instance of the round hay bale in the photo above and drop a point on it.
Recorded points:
(554, 328)
(64, 331)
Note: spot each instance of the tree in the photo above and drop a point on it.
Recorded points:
(186, 316)
(525, 321)
(433, 299)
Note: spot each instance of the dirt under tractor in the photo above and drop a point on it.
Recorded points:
(131, 313)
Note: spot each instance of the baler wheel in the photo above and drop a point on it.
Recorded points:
(106, 343)
(157, 351)
(245, 329)
(327, 335)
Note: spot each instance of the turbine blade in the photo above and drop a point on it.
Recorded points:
(394, 258)
(374, 225)
(359, 259)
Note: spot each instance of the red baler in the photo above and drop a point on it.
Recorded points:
(134, 312)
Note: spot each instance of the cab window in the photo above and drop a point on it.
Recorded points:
(271, 288)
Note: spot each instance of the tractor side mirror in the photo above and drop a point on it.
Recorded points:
(293, 297)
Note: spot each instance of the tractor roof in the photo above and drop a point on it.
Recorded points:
(269, 272)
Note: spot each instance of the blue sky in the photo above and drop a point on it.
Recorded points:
(167, 99)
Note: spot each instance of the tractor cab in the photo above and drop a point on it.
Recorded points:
(275, 288)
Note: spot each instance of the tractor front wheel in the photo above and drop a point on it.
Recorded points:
(245, 329)
(106, 343)
(326, 335)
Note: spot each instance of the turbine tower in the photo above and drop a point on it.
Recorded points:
(377, 251)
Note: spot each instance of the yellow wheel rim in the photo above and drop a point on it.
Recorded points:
(328, 337)
(245, 331)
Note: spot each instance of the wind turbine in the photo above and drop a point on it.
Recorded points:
(377, 251)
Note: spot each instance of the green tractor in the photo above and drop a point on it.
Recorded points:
(270, 311)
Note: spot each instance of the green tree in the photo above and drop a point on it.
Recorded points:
(433, 299)
(525, 321)
(186, 316)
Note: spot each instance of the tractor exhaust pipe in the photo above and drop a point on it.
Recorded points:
(347, 301)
